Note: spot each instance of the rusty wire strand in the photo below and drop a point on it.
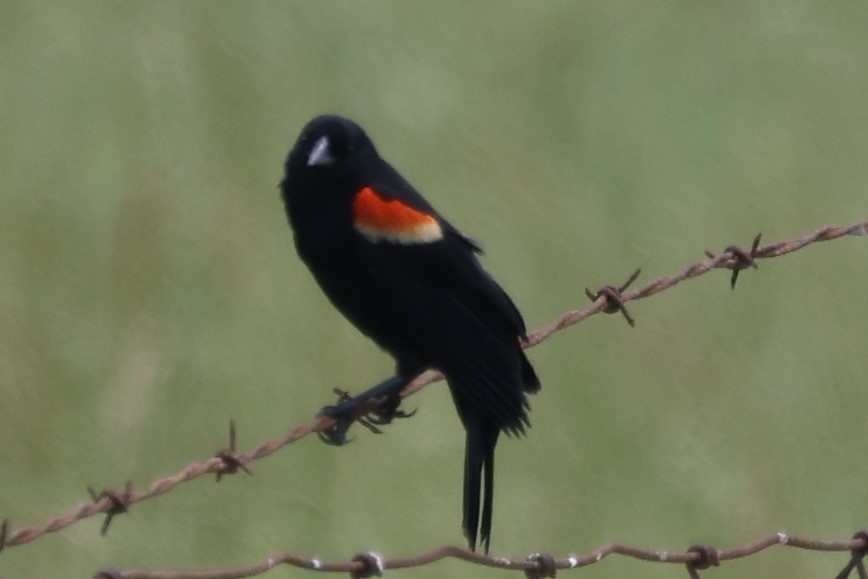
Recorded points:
(536, 565)
(732, 258)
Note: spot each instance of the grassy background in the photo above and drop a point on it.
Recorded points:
(149, 291)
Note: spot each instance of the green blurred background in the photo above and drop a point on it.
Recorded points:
(149, 291)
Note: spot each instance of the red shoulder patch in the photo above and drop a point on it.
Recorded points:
(391, 220)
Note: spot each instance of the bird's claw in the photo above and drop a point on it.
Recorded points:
(369, 412)
(342, 412)
(335, 435)
(385, 415)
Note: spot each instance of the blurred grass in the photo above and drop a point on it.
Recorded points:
(149, 291)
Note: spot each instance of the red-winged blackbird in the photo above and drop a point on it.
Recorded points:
(410, 281)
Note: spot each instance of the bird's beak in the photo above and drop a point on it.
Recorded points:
(320, 155)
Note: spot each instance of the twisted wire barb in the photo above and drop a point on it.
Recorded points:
(226, 462)
(534, 566)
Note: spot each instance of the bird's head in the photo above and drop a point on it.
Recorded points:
(329, 148)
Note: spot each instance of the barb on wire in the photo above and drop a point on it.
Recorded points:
(537, 565)
(603, 301)
(612, 295)
(231, 462)
(4, 527)
(743, 259)
(856, 561)
(117, 503)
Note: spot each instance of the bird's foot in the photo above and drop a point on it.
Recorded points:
(388, 410)
(369, 410)
(345, 412)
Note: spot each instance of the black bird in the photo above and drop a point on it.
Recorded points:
(406, 278)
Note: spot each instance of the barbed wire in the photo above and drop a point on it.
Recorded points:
(609, 299)
(535, 566)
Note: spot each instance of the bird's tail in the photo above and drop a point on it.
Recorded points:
(479, 470)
